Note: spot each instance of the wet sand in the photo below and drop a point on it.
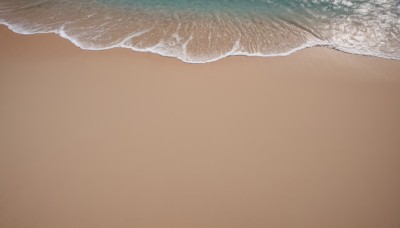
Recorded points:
(124, 139)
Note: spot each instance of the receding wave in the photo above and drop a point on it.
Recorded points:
(199, 31)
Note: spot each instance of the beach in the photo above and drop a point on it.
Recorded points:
(118, 138)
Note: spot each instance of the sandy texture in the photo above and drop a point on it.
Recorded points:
(122, 139)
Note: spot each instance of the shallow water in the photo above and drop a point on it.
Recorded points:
(206, 30)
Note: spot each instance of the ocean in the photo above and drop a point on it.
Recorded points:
(199, 31)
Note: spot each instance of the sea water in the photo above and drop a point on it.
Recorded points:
(199, 31)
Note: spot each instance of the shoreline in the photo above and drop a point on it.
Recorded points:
(118, 138)
(62, 34)
(375, 66)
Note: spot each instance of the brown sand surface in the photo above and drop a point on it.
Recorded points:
(115, 138)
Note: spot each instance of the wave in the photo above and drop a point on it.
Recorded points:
(206, 33)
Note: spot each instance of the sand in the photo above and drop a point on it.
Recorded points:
(118, 138)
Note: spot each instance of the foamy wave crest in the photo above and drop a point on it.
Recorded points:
(199, 31)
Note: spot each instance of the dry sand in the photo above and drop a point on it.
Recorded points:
(123, 139)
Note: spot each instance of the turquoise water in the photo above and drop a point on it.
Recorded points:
(261, 6)
(200, 31)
